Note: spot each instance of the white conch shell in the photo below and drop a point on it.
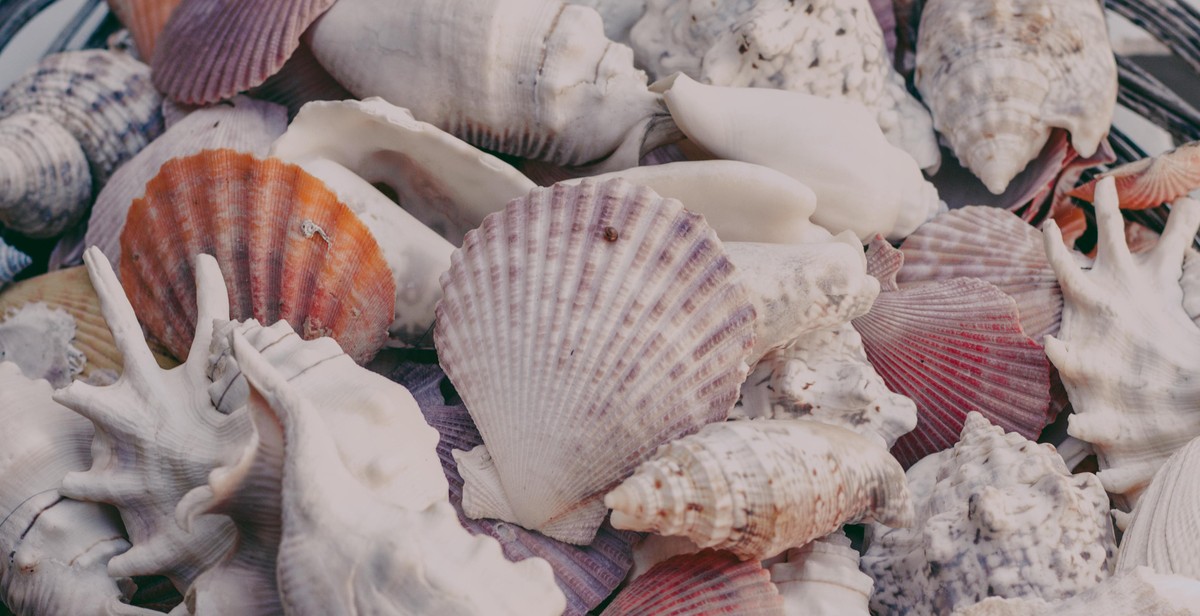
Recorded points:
(829, 48)
(862, 182)
(822, 579)
(55, 550)
(997, 515)
(39, 339)
(825, 376)
(45, 182)
(442, 181)
(344, 550)
(1127, 351)
(1141, 591)
(999, 75)
(758, 487)
(535, 79)
(1162, 531)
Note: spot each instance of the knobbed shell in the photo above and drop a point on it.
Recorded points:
(996, 515)
(694, 584)
(822, 579)
(12, 262)
(1161, 531)
(999, 76)
(607, 287)
(1140, 591)
(45, 182)
(39, 339)
(756, 488)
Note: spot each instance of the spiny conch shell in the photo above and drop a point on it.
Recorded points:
(618, 16)
(45, 182)
(997, 515)
(55, 549)
(828, 48)
(992, 245)
(1141, 591)
(157, 436)
(613, 289)
(213, 49)
(344, 550)
(103, 98)
(953, 346)
(145, 20)
(444, 182)
(289, 250)
(740, 201)
(1150, 182)
(862, 182)
(822, 579)
(1127, 351)
(569, 95)
(825, 376)
(12, 262)
(709, 582)
(39, 339)
(758, 487)
(241, 124)
(1161, 534)
(999, 76)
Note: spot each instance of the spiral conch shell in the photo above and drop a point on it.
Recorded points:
(758, 487)
(45, 182)
(999, 75)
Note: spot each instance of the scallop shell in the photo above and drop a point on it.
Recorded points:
(12, 262)
(864, 185)
(213, 49)
(1127, 351)
(1162, 533)
(610, 288)
(287, 247)
(954, 347)
(302, 80)
(145, 20)
(822, 579)
(1141, 591)
(45, 182)
(757, 488)
(1150, 182)
(241, 124)
(992, 245)
(996, 515)
(710, 582)
(39, 339)
(568, 96)
(999, 76)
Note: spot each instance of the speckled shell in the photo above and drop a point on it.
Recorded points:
(1127, 351)
(288, 248)
(145, 20)
(1150, 182)
(568, 96)
(45, 182)
(1141, 591)
(1162, 532)
(996, 515)
(710, 582)
(39, 340)
(614, 290)
(758, 487)
(12, 262)
(999, 75)
(822, 578)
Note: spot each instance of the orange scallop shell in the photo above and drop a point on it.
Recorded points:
(287, 247)
(1150, 182)
(145, 20)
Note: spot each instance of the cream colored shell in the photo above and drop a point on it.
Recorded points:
(1141, 591)
(40, 340)
(1162, 532)
(822, 579)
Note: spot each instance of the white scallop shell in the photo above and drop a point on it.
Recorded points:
(1141, 591)
(39, 339)
(1162, 531)
(822, 578)
(45, 182)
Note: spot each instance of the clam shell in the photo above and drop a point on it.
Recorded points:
(287, 247)
(145, 20)
(1162, 533)
(607, 287)
(1141, 591)
(822, 578)
(710, 582)
(1150, 182)
(39, 340)
(213, 49)
(45, 182)
(12, 262)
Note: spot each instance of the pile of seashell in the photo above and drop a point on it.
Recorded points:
(621, 307)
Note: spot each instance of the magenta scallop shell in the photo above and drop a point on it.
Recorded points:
(708, 582)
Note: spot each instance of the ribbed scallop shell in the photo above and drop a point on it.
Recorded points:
(992, 245)
(1000, 74)
(584, 326)
(954, 347)
(1150, 182)
(45, 182)
(1163, 532)
(289, 250)
(12, 262)
(822, 578)
(103, 98)
(213, 49)
(39, 340)
(300, 81)
(759, 487)
(709, 582)
(145, 20)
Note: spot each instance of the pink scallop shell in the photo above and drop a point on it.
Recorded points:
(708, 582)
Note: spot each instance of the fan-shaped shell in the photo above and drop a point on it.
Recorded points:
(709, 582)
(145, 20)
(758, 487)
(1162, 533)
(12, 262)
(213, 49)
(613, 290)
(822, 578)
(39, 340)
(999, 76)
(45, 182)
(1150, 182)
(300, 81)
(287, 247)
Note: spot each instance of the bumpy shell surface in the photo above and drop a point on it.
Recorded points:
(1162, 533)
(757, 488)
(996, 515)
(710, 582)
(1150, 182)
(288, 248)
(999, 76)
(1140, 591)
(145, 20)
(45, 181)
(1127, 350)
(568, 95)
(12, 262)
(39, 339)
(822, 578)
(614, 290)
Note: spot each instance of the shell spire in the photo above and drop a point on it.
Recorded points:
(12, 262)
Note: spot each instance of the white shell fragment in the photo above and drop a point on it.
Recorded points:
(619, 16)
(1162, 532)
(756, 488)
(996, 515)
(1141, 591)
(39, 339)
(45, 182)
(822, 578)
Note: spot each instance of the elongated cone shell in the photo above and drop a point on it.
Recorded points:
(1151, 182)
(12, 262)
(45, 182)
(611, 289)
(758, 487)
(1161, 534)
(287, 247)
(145, 20)
(708, 582)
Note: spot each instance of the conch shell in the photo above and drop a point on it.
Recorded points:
(39, 339)
(1141, 591)
(45, 181)
(822, 578)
